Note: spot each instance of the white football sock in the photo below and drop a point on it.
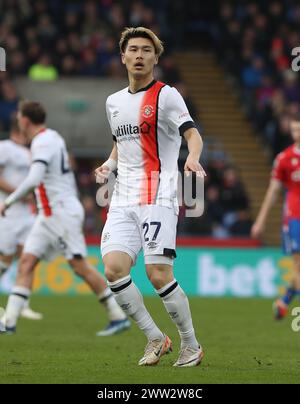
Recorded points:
(131, 301)
(19, 295)
(114, 311)
(177, 305)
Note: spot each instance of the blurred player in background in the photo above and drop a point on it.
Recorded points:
(14, 227)
(58, 226)
(286, 174)
(147, 120)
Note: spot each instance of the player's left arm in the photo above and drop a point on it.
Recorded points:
(195, 146)
(33, 179)
(179, 118)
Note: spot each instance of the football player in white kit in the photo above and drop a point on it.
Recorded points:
(147, 120)
(58, 226)
(14, 227)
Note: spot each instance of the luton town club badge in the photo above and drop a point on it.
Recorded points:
(148, 111)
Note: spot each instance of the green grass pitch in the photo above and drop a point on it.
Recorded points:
(242, 343)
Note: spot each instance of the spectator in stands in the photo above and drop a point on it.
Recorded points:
(233, 197)
(214, 208)
(269, 32)
(282, 138)
(115, 69)
(279, 59)
(242, 225)
(263, 102)
(46, 31)
(92, 221)
(33, 53)
(276, 14)
(116, 17)
(265, 92)
(291, 86)
(86, 183)
(106, 53)
(90, 66)
(17, 63)
(215, 168)
(170, 71)
(90, 18)
(71, 22)
(215, 212)
(198, 226)
(8, 103)
(43, 70)
(253, 74)
(69, 66)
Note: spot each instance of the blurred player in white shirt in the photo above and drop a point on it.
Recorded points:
(147, 120)
(14, 227)
(58, 225)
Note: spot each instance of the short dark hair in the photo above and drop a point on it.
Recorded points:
(34, 111)
(140, 32)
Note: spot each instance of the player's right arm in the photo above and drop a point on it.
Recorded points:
(41, 152)
(4, 185)
(270, 198)
(108, 166)
(33, 179)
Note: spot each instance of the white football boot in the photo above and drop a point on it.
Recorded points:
(189, 356)
(155, 350)
(28, 313)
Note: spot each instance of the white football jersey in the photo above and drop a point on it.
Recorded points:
(15, 162)
(147, 126)
(58, 185)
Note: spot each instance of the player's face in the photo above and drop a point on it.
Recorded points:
(295, 131)
(139, 57)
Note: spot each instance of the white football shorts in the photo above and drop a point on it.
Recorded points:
(148, 227)
(58, 234)
(13, 232)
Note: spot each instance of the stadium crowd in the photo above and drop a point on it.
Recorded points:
(46, 40)
(254, 42)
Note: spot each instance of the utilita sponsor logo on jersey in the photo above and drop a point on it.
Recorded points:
(123, 130)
